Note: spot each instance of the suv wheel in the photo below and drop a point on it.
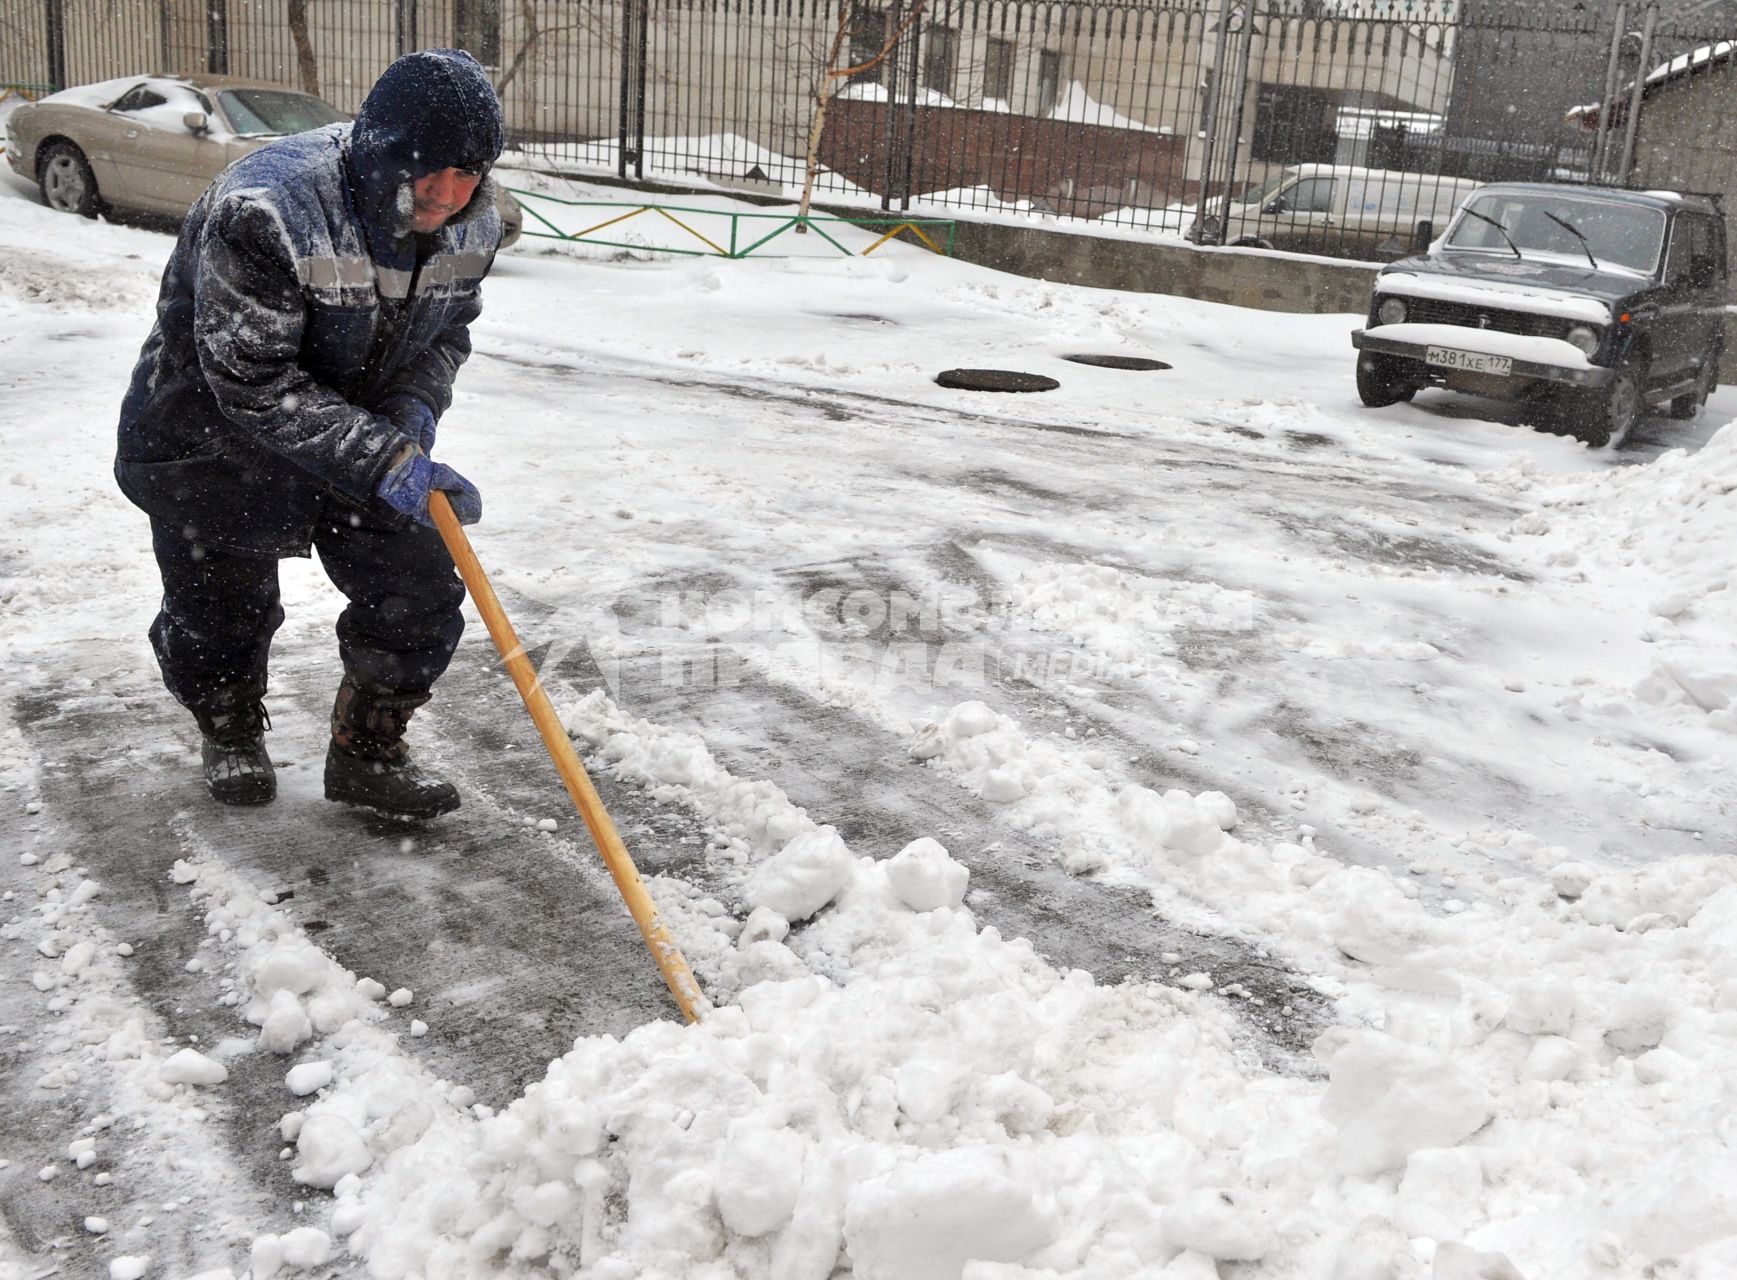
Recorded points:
(1606, 417)
(67, 183)
(1688, 405)
(1379, 383)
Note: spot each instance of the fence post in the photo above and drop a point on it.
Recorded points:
(404, 20)
(1244, 50)
(54, 16)
(217, 37)
(1607, 104)
(1640, 84)
(630, 128)
(1209, 126)
(893, 83)
(912, 118)
(644, 21)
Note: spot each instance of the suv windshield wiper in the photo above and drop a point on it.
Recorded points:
(1473, 213)
(1574, 231)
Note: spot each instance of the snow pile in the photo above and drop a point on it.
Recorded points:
(677, 767)
(1079, 107)
(802, 877)
(291, 990)
(1077, 794)
(875, 91)
(1124, 621)
(189, 1066)
(300, 1250)
(955, 1100)
(925, 878)
(944, 1098)
(1670, 530)
(75, 278)
(888, 1052)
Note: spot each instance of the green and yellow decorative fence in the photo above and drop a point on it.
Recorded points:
(747, 234)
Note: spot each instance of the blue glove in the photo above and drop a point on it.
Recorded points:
(405, 489)
(412, 417)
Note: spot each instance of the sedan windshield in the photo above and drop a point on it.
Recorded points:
(260, 111)
(1531, 223)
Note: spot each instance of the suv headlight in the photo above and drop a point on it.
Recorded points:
(1585, 338)
(1391, 311)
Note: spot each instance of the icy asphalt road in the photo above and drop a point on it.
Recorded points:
(731, 494)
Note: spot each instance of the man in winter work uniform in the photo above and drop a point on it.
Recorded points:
(310, 323)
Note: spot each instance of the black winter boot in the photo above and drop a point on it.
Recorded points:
(368, 763)
(237, 768)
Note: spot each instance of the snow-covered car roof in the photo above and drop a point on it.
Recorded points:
(101, 93)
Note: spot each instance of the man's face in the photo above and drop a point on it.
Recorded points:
(442, 194)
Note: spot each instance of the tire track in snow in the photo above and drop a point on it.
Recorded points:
(513, 945)
(224, 1175)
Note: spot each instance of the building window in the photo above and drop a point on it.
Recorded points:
(998, 70)
(478, 29)
(868, 36)
(1295, 125)
(938, 60)
(1049, 64)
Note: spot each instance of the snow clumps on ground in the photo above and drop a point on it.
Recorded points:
(897, 1088)
(1668, 531)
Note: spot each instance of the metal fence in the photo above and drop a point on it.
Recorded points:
(1135, 113)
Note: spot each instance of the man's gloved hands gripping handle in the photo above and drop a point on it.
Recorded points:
(413, 474)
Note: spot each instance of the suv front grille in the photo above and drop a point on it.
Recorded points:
(1433, 311)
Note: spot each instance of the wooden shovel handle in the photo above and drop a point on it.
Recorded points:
(664, 951)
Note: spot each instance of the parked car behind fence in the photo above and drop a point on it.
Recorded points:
(1340, 210)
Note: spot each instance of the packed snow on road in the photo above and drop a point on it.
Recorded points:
(1183, 824)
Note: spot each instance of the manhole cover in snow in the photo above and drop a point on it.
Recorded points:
(995, 380)
(1138, 363)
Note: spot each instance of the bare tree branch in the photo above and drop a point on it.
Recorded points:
(535, 33)
(306, 64)
(906, 25)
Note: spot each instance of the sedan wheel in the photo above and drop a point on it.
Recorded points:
(66, 180)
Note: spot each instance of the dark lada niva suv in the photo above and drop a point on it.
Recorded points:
(1593, 301)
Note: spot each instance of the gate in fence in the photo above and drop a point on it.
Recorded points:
(1284, 122)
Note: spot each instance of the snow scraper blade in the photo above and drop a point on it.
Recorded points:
(664, 951)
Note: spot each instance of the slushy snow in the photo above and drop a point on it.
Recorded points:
(1470, 688)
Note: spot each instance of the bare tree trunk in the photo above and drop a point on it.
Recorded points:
(533, 33)
(824, 91)
(306, 64)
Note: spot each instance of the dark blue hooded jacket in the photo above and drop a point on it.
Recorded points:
(299, 300)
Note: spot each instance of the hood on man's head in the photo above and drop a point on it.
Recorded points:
(431, 110)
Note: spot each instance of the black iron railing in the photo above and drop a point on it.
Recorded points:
(1353, 122)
